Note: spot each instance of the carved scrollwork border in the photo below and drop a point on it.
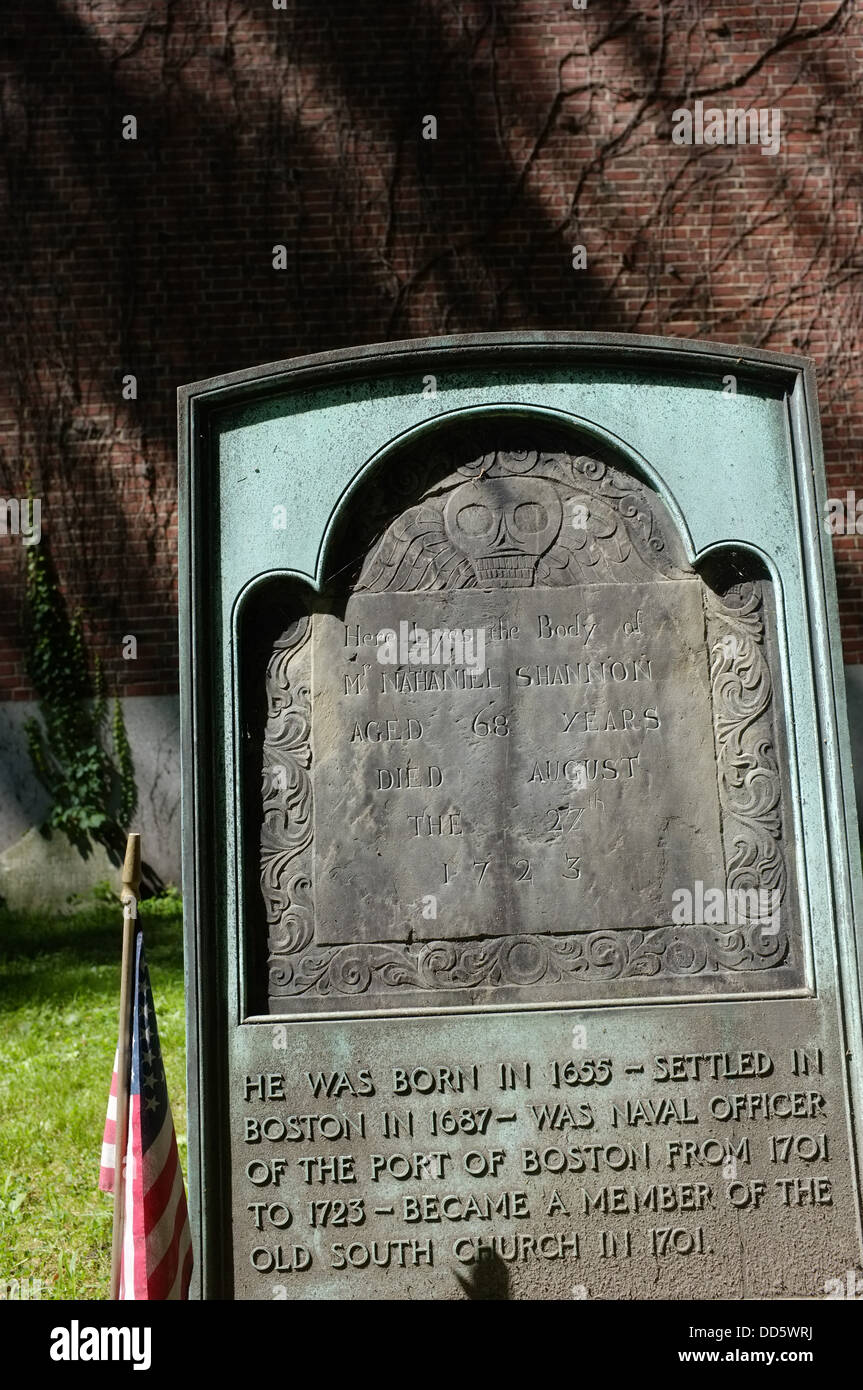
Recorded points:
(288, 818)
(746, 763)
(526, 961)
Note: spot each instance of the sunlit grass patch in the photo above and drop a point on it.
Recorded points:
(59, 995)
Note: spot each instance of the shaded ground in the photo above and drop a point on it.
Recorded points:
(59, 984)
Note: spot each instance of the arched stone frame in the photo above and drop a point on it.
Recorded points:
(414, 548)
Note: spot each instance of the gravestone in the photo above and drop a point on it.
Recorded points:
(519, 843)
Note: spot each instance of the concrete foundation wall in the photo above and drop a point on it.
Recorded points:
(153, 726)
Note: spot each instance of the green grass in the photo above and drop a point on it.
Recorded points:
(59, 995)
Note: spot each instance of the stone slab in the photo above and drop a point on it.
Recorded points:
(402, 1088)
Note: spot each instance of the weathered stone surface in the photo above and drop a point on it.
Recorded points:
(532, 739)
(43, 870)
(559, 769)
(153, 728)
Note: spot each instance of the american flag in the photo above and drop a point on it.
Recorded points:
(156, 1261)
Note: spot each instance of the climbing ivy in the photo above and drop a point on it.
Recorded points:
(125, 768)
(93, 791)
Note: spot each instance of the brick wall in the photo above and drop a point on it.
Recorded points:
(303, 125)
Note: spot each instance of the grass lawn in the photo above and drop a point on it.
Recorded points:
(59, 996)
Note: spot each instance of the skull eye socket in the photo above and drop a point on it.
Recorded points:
(530, 516)
(475, 520)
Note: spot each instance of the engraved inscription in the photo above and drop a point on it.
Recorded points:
(490, 768)
(592, 1174)
(569, 785)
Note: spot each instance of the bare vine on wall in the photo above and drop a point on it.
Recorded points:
(255, 126)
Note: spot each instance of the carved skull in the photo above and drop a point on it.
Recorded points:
(504, 525)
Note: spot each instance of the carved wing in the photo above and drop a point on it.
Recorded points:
(416, 553)
(594, 547)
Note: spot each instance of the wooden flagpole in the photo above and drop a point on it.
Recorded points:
(131, 885)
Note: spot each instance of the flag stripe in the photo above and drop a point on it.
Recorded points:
(159, 1153)
(109, 1138)
(162, 1229)
(165, 1271)
(184, 1266)
(163, 1194)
